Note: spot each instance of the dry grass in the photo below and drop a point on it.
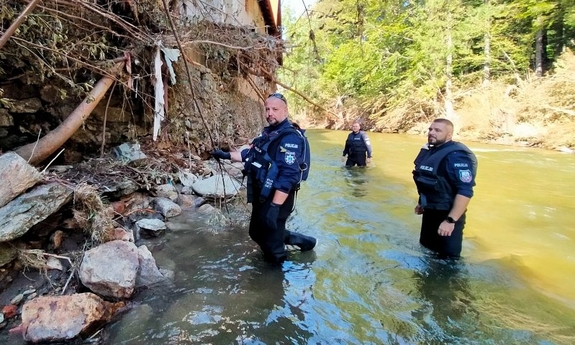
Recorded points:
(540, 112)
(91, 214)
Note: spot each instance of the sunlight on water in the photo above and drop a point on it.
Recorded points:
(368, 281)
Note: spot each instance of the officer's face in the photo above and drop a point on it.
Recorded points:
(439, 133)
(355, 127)
(276, 111)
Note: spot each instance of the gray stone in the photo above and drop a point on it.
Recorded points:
(151, 224)
(148, 273)
(167, 191)
(17, 299)
(122, 188)
(7, 253)
(29, 209)
(6, 119)
(16, 176)
(24, 106)
(187, 179)
(217, 187)
(167, 207)
(111, 269)
(129, 152)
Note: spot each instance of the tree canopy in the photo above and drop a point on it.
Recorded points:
(379, 55)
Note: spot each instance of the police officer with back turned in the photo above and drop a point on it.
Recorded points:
(444, 174)
(275, 164)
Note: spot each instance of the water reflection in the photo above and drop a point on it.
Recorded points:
(356, 179)
(223, 296)
(447, 299)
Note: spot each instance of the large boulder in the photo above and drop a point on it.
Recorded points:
(217, 186)
(16, 176)
(149, 274)
(111, 269)
(61, 318)
(29, 209)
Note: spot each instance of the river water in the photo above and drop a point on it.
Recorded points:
(369, 281)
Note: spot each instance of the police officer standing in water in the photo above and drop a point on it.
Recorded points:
(275, 164)
(444, 174)
(357, 146)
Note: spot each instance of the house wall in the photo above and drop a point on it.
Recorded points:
(246, 13)
(232, 12)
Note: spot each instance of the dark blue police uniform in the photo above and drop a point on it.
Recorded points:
(274, 162)
(440, 174)
(357, 146)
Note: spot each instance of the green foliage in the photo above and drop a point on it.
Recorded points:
(385, 54)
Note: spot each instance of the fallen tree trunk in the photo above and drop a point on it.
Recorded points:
(38, 151)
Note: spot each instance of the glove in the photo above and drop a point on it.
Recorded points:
(272, 216)
(219, 154)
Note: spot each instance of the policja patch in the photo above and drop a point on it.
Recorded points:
(465, 176)
(289, 157)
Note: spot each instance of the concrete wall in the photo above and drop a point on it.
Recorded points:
(232, 12)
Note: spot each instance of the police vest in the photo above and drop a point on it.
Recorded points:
(356, 146)
(435, 191)
(262, 169)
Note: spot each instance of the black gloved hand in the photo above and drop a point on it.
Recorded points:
(272, 216)
(219, 154)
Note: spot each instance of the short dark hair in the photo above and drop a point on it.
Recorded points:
(445, 122)
(278, 96)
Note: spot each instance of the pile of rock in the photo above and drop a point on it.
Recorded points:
(112, 270)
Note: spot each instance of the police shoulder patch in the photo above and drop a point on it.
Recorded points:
(289, 157)
(465, 176)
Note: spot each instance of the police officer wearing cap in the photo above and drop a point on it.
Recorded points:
(444, 174)
(275, 164)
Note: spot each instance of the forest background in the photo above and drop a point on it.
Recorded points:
(501, 70)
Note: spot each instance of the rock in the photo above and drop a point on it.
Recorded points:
(17, 299)
(166, 207)
(24, 106)
(199, 201)
(207, 209)
(6, 119)
(54, 264)
(214, 186)
(111, 269)
(123, 235)
(129, 152)
(16, 176)
(61, 318)
(10, 311)
(29, 209)
(57, 238)
(151, 227)
(50, 93)
(7, 253)
(186, 201)
(148, 273)
(122, 188)
(167, 191)
(187, 179)
(187, 190)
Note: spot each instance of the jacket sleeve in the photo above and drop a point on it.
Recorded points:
(289, 155)
(459, 172)
(367, 143)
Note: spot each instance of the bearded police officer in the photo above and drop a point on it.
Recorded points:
(444, 174)
(275, 164)
(357, 146)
